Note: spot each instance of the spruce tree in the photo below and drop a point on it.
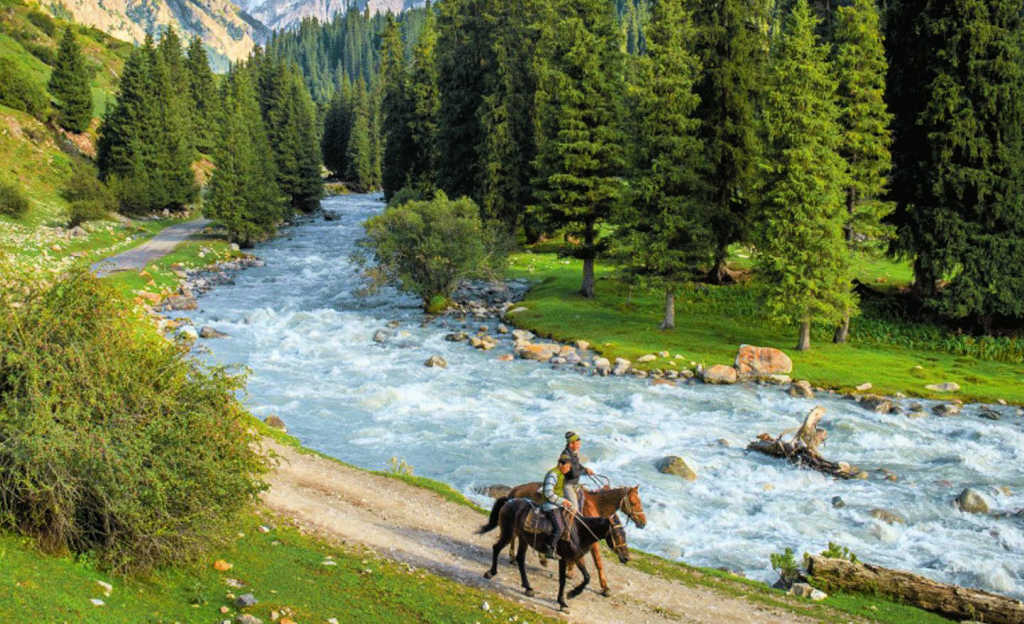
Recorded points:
(203, 95)
(173, 181)
(396, 111)
(733, 45)
(243, 193)
(666, 235)
(359, 157)
(69, 83)
(580, 158)
(425, 107)
(801, 253)
(860, 69)
(337, 126)
(960, 147)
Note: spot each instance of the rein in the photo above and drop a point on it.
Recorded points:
(617, 524)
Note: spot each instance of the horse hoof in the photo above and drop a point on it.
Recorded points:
(563, 608)
(606, 592)
(530, 593)
(488, 575)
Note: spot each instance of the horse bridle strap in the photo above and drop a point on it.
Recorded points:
(615, 524)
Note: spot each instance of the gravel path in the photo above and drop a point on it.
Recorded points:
(155, 248)
(418, 527)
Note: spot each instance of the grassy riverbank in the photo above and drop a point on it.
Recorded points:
(711, 321)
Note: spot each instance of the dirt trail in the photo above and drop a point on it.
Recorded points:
(157, 247)
(417, 526)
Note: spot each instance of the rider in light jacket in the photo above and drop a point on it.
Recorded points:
(554, 497)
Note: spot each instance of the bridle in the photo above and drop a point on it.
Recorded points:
(617, 527)
(626, 507)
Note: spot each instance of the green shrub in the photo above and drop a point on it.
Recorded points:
(85, 185)
(87, 210)
(43, 22)
(428, 247)
(785, 564)
(835, 551)
(42, 52)
(115, 442)
(20, 92)
(12, 202)
(407, 194)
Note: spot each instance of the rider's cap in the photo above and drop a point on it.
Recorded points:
(571, 436)
(564, 459)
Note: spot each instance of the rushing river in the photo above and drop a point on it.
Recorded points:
(301, 326)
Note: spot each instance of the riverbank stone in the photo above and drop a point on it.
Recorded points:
(876, 403)
(949, 386)
(644, 359)
(889, 517)
(456, 337)
(801, 389)
(275, 422)
(209, 332)
(719, 374)
(753, 361)
(538, 352)
(971, 501)
(621, 366)
(947, 409)
(675, 465)
(602, 366)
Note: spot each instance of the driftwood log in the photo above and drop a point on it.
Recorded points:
(802, 449)
(950, 601)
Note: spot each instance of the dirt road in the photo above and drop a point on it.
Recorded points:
(418, 527)
(160, 245)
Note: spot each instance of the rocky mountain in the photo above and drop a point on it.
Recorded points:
(279, 14)
(228, 31)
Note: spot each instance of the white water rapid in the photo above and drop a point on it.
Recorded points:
(300, 326)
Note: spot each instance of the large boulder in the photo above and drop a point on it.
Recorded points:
(436, 361)
(675, 465)
(972, 501)
(621, 366)
(538, 352)
(754, 361)
(889, 517)
(947, 409)
(602, 366)
(719, 374)
(801, 389)
(209, 332)
(876, 403)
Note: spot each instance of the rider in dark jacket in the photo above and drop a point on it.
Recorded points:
(573, 491)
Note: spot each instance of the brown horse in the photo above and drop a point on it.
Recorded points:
(601, 503)
(583, 533)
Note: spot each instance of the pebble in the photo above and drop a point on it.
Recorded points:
(96, 602)
(245, 600)
(485, 606)
(107, 587)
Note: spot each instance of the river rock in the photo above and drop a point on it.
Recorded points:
(838, 502)
(754, 361)
(864, 387)
(602, 365)
(989, 413)
(180, 302)
(484, 343)
(506, 357)
(621, 366)
(566, 350)
(949, 386)
(522, 334)
(209, 332)
(972, 501)
(719, 374)
(778, 379)
(675, 465)
(582, 345)
(643, 359)
(801, 389)
(875, 403)
(889, 517)
(804, 590)
(502, 328)
(947, 409)
(381, 335)
(436, 361)
(456, 337)
(188, 333)
(275, 422)
(538, 352)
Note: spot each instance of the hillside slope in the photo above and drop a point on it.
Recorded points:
(278, 14)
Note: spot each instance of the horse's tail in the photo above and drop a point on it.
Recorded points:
(492, 522)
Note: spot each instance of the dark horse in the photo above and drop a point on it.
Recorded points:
(584, 533)
(604, 502)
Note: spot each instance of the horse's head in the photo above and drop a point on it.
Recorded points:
(616, 539)
(632, 507)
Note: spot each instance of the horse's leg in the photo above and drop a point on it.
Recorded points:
(498, 546)
(562, 604)
(599, 564)
(512, 549)
(576, 591)
(521, 561)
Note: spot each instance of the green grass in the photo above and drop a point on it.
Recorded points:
(283, 568)
(158, 277)
(711, 321)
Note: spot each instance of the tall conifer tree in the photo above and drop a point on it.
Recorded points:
(359, 157)
(203, 95)
(666, 234)
(423, 92)
(396, 110)
(802, 255)
(960, 147)
(860, 69)
(732, 41)
(580, 159)
(69, 83)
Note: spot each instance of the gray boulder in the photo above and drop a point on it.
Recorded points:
(209, 332)
(801, 389)
(875, 403)
(436, 361)
(972, 501)
(381, 335)
(947, 409)
(675, 465)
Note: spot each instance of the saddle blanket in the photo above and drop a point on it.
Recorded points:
(537, 522)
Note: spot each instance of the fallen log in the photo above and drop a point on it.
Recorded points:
(802, 450)
(952, 601)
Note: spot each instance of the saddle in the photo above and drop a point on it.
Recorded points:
(537, 523)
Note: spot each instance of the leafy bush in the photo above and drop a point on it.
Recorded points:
(85, 185)
(43, 53)
(835, 551)
(43, 22)
(12, 202)
(87, 210)
(407, 194)
(114, 442)
(428, 247)
(20, 92)
(785, 564)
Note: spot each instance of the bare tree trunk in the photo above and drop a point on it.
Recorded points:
(843, 330)
(805, 337)
(587, 288)
(669, 321)
(952, 601)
